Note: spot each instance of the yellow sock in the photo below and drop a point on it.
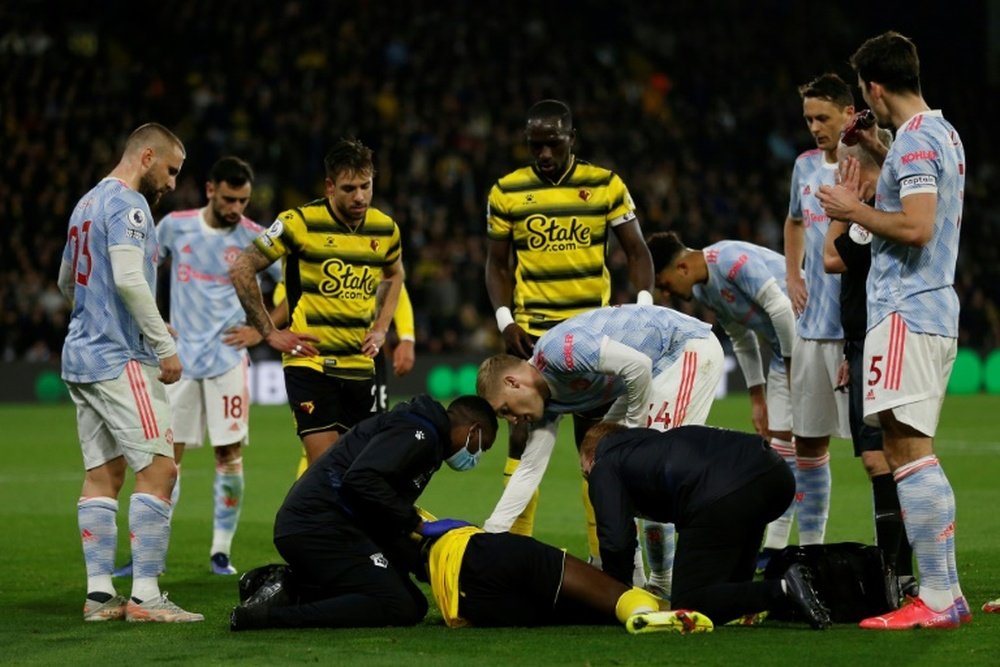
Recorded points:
(635, 601)
(303, 464)
(524, 524)
(588, 512)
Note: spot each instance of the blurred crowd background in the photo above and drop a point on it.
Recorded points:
(695, 105)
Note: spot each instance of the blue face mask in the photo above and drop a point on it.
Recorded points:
(463, 459)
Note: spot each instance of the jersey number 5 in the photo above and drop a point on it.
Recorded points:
(79, 236)
(874, 372)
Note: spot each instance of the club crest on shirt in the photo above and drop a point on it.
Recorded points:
(374, 245)
(585, 195)
(378, 560)
(136, 218)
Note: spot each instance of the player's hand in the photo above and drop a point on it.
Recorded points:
(170, 369)
(841, 202)
(758, 415)
(861, 123)
(843, 376)
(440, 527)
(518, 341)
(798, 293)
(241, 336)
(403, 357)
(295, 344)
(373, 342)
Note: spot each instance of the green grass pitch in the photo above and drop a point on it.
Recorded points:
(42, 579)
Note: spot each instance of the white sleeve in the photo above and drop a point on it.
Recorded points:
(779, 309)
(527, 477)
(636, 369)
(747, 351)
(616, 413)
(66, 283)
(126, 266)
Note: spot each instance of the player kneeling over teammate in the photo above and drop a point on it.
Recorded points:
(344, 526)
(720, 488)
(505, 580)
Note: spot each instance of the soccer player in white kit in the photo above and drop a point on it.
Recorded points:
(818, 411)
(744, 284)
(212, 337)
(660, 367)
(912, 312)
(117, 357)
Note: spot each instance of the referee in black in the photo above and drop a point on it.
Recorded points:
(847, 251)
(720, 488)
(344, 526)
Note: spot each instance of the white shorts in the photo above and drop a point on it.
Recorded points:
(683, 393)
(128, 416)
(779, 402)
(817, 410)
(220, 404)
(906, 372)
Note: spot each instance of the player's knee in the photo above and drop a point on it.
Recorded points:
(406, 608)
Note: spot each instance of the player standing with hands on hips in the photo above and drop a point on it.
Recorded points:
(912, 312)
(117, 357)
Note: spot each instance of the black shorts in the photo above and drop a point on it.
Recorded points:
(380, 390)
(509, 580)
(323, 403)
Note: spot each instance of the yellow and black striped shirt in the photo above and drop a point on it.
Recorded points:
(559, 232)
(331, 275)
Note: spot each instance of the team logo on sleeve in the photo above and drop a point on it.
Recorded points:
(859, 234)
(136, 218)
(378, 560)
(275, 230)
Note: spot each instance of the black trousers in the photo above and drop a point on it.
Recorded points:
(717, 550)
(343, 579)
(865, 438)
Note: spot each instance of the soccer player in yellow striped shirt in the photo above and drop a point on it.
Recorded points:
(343, 274)
(549, 227)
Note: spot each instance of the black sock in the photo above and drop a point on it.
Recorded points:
(98, 596)
(890, 534)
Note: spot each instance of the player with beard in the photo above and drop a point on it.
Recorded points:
(196, 248)
(343, 274)
(117, 357)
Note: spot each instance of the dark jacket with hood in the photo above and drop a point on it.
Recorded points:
(372, 476)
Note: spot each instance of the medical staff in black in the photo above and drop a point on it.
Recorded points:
(344, 526)
(720, 488)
